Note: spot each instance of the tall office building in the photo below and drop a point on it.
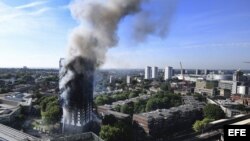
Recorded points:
(128, 79)
(168, 73)
(148, 72)
(155, 72)
(110, 79)
(238, 75)
(198, 72)
(206, 72)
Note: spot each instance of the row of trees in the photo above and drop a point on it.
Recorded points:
(160, 100)
(163, 100)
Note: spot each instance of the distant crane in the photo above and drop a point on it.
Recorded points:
(185, 84)
(246, 62)
(182, 73)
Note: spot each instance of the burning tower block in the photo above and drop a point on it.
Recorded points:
(76, 88)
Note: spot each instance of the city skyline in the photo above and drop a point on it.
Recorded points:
(208, 34)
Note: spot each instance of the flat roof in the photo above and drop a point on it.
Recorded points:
(240, 115)
(243, 122)
(218, 121)
(7, 106)
(11, 134)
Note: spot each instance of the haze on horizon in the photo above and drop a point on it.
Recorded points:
(202, 34)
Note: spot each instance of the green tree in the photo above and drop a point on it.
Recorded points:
(163, 100)
(153, 104)
(132, 95)
(213, 111)
(165, 86)
(127, 108)
(50, 109)
(139, 106)
(199, 125)
(103, 99)
(121, 96)
(117, 108)
(53, 114)
(110, 133)
(120, 131)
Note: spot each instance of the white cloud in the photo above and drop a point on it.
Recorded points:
(22, 20)
(40, 11)
(219, 45)
(32, 5)
(32, 35)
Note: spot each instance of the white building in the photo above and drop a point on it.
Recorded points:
(213, 76)
(243, 90)
(110, 79)
(155, 72)
(168, 73)
(234, 87)
(148, 72)
(128, 79)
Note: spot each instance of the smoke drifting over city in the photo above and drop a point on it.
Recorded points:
(99, 21)
(149, 23)
(89, 42)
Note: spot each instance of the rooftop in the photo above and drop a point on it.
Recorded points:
(243, 122)
(166, 113)
(190, 104)
(10, 134)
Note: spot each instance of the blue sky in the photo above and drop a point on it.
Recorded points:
(213, 34)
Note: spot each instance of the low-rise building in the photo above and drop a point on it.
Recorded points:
(10, 104)
(218, 77)
(23, 99)
(8, 110)
(225, 84)
(164, 122)
(243, 90)
(22, 88)
(227, 105)
(241, 99)
(89, 136)
(225, 93)
(206, 87)
(107, 110)
(10, 134)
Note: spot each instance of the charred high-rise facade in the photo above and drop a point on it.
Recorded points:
(76, 88)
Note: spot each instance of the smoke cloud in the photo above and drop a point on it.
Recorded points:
(88, 44)
(156, 23)
(99, 20)
(98, 25)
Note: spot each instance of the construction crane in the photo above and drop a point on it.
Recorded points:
(182, 73)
